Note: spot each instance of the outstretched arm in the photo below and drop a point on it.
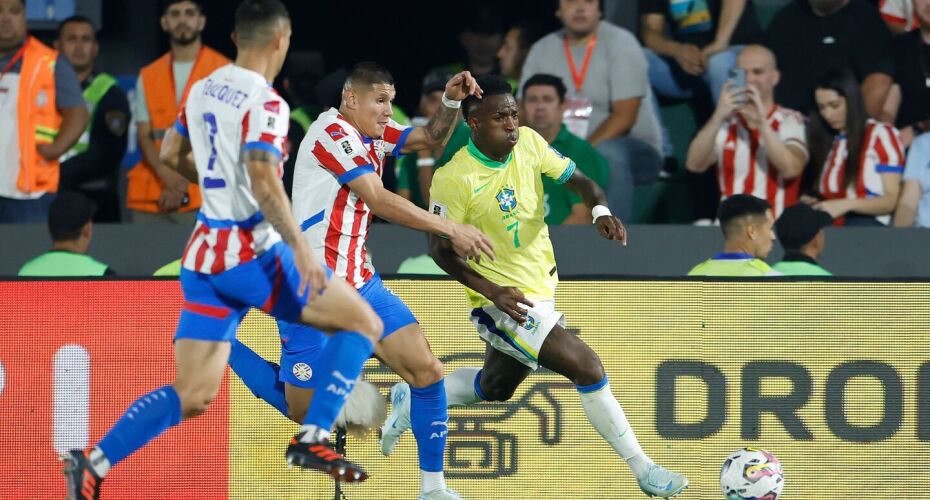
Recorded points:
(594, 198)
(435, 134)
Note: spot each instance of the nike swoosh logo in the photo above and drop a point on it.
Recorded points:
(481, 187)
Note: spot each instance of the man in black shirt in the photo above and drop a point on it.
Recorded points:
(92, 165)
(707, 35)
(910, 97)
(811, 37)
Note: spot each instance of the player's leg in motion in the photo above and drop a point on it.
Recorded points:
(201, 350)
(343, 311)
(569, 356)
(424, 398)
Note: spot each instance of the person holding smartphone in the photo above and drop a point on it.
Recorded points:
(759, 147)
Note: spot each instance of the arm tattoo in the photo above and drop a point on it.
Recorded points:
(261, 155)
(441, 125)
(269, 193)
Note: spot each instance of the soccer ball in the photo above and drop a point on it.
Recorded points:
(751, 474)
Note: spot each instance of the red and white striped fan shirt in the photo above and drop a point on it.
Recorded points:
(744, 168)
(335, 220)
(226, 114)
(899, 12)
(882, 153)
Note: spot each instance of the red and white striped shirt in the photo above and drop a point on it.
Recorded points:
(334, 219)
(231, 111)
(743, 166)
(899, 12)
(882, 153)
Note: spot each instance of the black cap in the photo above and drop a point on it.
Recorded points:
(69, 212)
(798, 225)
(436, 79)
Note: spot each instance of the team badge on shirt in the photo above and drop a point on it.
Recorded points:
(507, 199)
(303, 372)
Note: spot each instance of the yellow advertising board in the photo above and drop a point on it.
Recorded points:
(833, 378)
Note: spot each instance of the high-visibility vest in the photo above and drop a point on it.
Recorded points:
(94, 92)
(62, 263)
(39, 119)
(145, 187)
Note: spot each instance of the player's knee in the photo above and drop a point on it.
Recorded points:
(195, 400)
(370, 325)
(428, 374)
(496, 388)
(590, 370)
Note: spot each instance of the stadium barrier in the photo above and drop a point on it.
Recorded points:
(833, 378)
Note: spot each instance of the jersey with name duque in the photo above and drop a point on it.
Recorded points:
(505, 201)
(334, 219)
(743, 165)
(882, 153)
(232, 111)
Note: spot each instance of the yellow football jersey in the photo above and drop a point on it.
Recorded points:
(505, 201)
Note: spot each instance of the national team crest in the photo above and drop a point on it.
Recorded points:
(302, 371)
(507, 199)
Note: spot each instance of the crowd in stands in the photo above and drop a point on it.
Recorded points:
(822, 102)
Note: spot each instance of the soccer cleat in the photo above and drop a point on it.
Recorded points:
(440, 494)
(661, 482)
(399, 420)
(322, 457)
(83, 482)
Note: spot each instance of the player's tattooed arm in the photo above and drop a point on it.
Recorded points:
(437, 132)
(176, 154)
(507, 299)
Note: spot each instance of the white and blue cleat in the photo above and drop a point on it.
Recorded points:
(440, 494)
(661, 482)
(398, 421)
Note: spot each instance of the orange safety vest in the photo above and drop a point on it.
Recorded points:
(145, 187)
(39, 119)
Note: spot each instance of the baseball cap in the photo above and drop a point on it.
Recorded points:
(69, 212)
(798, 225)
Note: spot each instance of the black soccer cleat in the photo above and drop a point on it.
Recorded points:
(322, 457)
(82, 481)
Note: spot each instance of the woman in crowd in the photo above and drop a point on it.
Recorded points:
(856, 161)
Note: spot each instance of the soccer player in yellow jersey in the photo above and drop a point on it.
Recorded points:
(495, 184)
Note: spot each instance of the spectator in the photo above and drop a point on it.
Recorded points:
(543, 104)
(899, 15)
(609, 100)
(914, 205)
(41, 117)
(747, 223)
(909, 99)
(857, 161)
(70, 222)
(800, 232)
(415, 172)
(516, 46)
(157, 193)
(92, 165)
(481, 38)
(705, 38)
(759, 147)
(812, 37)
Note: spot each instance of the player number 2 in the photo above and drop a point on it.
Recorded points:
(212, 182)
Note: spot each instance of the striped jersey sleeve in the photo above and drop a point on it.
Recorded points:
(341, 153)
(888, 148)
(265, 126)
(395, 137)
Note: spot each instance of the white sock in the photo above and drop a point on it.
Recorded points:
(99, 462)
(430, 481)
(606, 415)
(313, 434)
(460, 387)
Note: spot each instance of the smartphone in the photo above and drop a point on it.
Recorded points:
(737, 79)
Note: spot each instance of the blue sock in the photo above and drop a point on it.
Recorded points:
(339, 365)
(149, 416)
(429, 420)
(478, 391)
(259, 375)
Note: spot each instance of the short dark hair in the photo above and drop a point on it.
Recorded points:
(77, 18)
(369, 74)
(491, 85)
(546, 79)
(69, 212)
(166, 4)
(257, 21)
(737, 207)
